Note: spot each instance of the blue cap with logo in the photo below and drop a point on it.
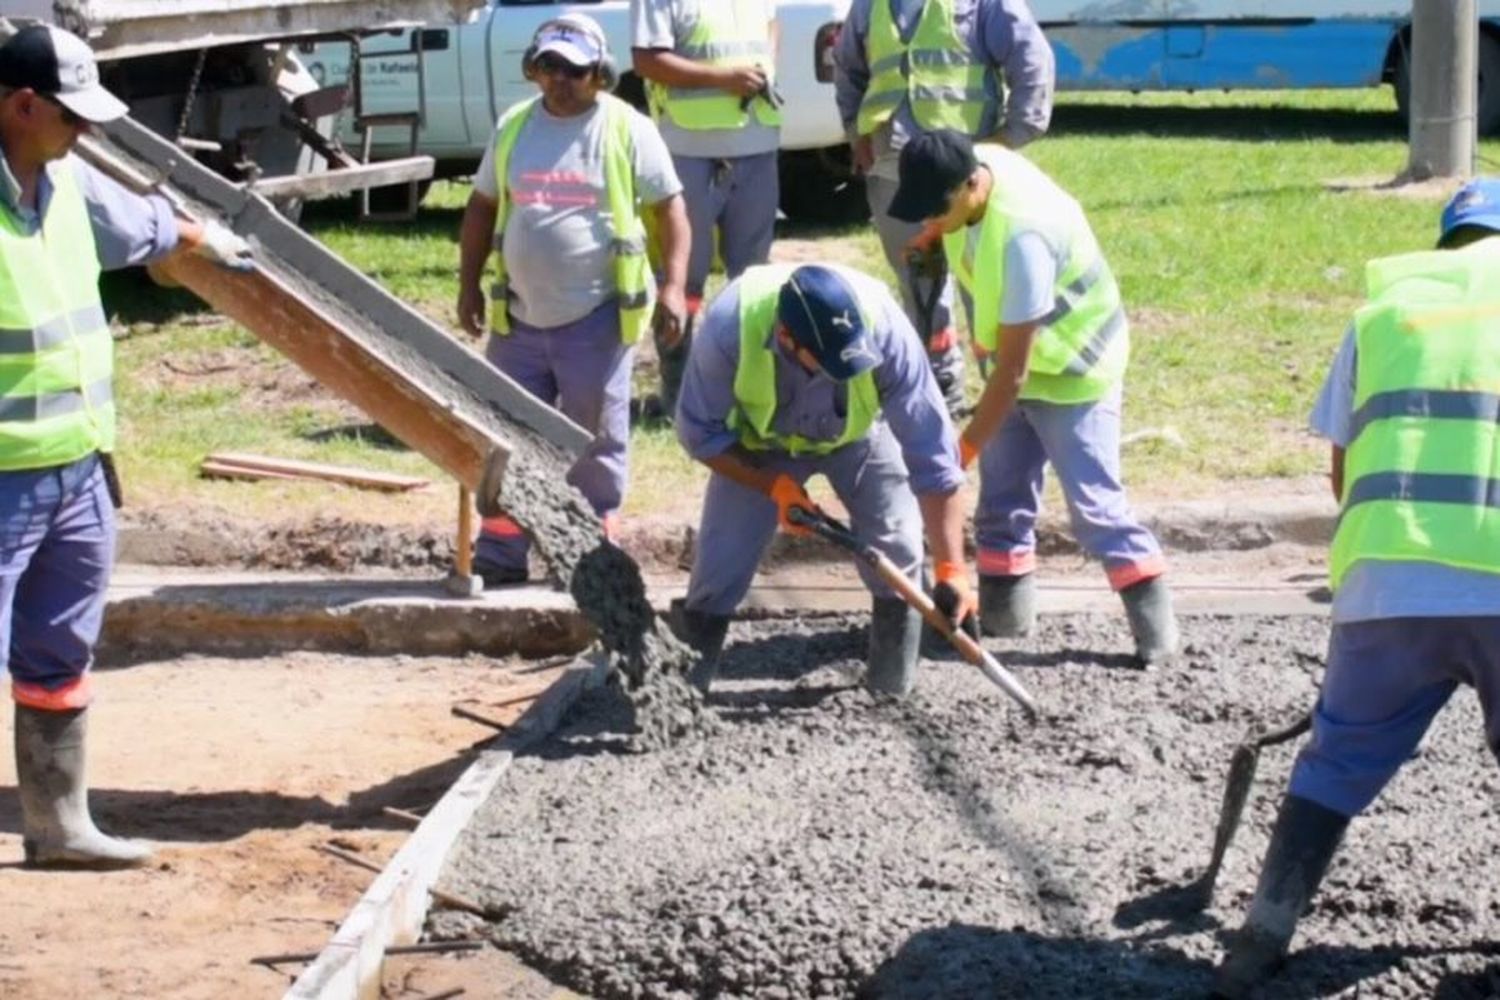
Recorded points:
(821, 313)
(1477, 203)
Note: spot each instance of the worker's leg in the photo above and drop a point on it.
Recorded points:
(705, 191)
(870, 478)
(736, 526)
(1483, 657)
(1011, 468)
(1386, 679)
(748, 223)
(59, 545)
(940, 332)
(592, 369)
(500, 553)
(1083, 444)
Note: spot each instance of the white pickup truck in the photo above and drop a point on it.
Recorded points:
(471, 72)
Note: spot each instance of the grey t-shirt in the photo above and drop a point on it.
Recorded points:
(1031, 268)
(661, 24)
(557, 236)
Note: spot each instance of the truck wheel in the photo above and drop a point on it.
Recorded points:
(817, 187)
(1487, 109)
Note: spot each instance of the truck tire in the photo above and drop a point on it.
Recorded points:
(818, 187)
(1487, 108)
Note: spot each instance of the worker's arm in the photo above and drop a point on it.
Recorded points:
(129, 228)
(851, 78)
(1333, 412)
(476, 235)
(1336, 472)
(676, 239)
(1015, 45)
(672, 70)
(1012, 358)
(943, 519)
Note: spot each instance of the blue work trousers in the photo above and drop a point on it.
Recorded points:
(1082, 441)
(1386, 680)
(735, 196)
(870, 479)
(583, 370)
(57, 548)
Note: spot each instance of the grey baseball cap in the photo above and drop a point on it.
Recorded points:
(57, 64)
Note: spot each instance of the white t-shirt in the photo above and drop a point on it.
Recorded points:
(661, 24)
(558, 233)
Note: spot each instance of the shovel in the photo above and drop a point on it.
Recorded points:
(835, 532)
(1236, 791)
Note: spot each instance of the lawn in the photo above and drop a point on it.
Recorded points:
(1237, 224)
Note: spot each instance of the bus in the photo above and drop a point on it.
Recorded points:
(1249, 44)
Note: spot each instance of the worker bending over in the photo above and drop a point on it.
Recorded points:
(559, 195)
(1047, 307)
(61, 222)
(906, 67)
(799, 371)
(710, 82)
(1410, 406)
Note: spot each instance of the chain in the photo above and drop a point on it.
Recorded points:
(192, 93)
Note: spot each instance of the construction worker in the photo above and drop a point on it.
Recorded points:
(708, 71)
(1047, 307)
(904, 67)
(1410, 408)
(806, 370)
(60, 223)
(560, 195)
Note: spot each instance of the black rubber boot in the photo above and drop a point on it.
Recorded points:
(56, 829)
(1007, 605)
(705, 632)
(895, 634)
(1148, 607)
(1303, 842)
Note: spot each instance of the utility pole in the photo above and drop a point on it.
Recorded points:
(1444, 85)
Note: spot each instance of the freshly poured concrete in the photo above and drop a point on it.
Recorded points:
(828, 844)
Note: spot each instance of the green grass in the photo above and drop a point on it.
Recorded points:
(1239, 263)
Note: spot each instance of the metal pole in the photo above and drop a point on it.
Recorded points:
(1444, 88)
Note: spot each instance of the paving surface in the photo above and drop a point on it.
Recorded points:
(825, 844)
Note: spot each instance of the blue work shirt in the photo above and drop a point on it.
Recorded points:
(1001, 33)
(129, 228)
(1382, 588)
(815, 406)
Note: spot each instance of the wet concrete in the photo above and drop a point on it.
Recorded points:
(829, 844)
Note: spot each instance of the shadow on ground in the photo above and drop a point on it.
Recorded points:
(1262, 122)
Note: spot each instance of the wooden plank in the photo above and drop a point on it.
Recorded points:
(348, 475)
(216, 470)
(394, 908)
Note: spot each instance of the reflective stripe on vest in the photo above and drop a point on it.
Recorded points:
(934, 71)
(56, 355)
(726, 33)
(1083, 344)
(1422, 470)
(635, 289)
(755, 376)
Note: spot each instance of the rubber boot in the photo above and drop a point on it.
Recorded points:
(56, 828)
(1007, 605)
(895, 634)
(705, 632)
(1303, 842)
(1148, 606)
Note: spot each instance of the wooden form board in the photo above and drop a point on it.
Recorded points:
(394, 908)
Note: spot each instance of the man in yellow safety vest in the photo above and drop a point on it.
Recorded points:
(1412, 408)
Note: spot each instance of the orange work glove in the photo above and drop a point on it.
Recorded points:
(967, 453)
(788, 493)
(954, 599)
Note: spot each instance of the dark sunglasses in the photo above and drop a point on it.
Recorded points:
(554, 65)
(69, 117)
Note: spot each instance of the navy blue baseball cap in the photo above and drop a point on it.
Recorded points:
(821, 313)
(1477, 203)
(58, 65)
(932, 166)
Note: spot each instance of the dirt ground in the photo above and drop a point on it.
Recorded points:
(239, 770)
